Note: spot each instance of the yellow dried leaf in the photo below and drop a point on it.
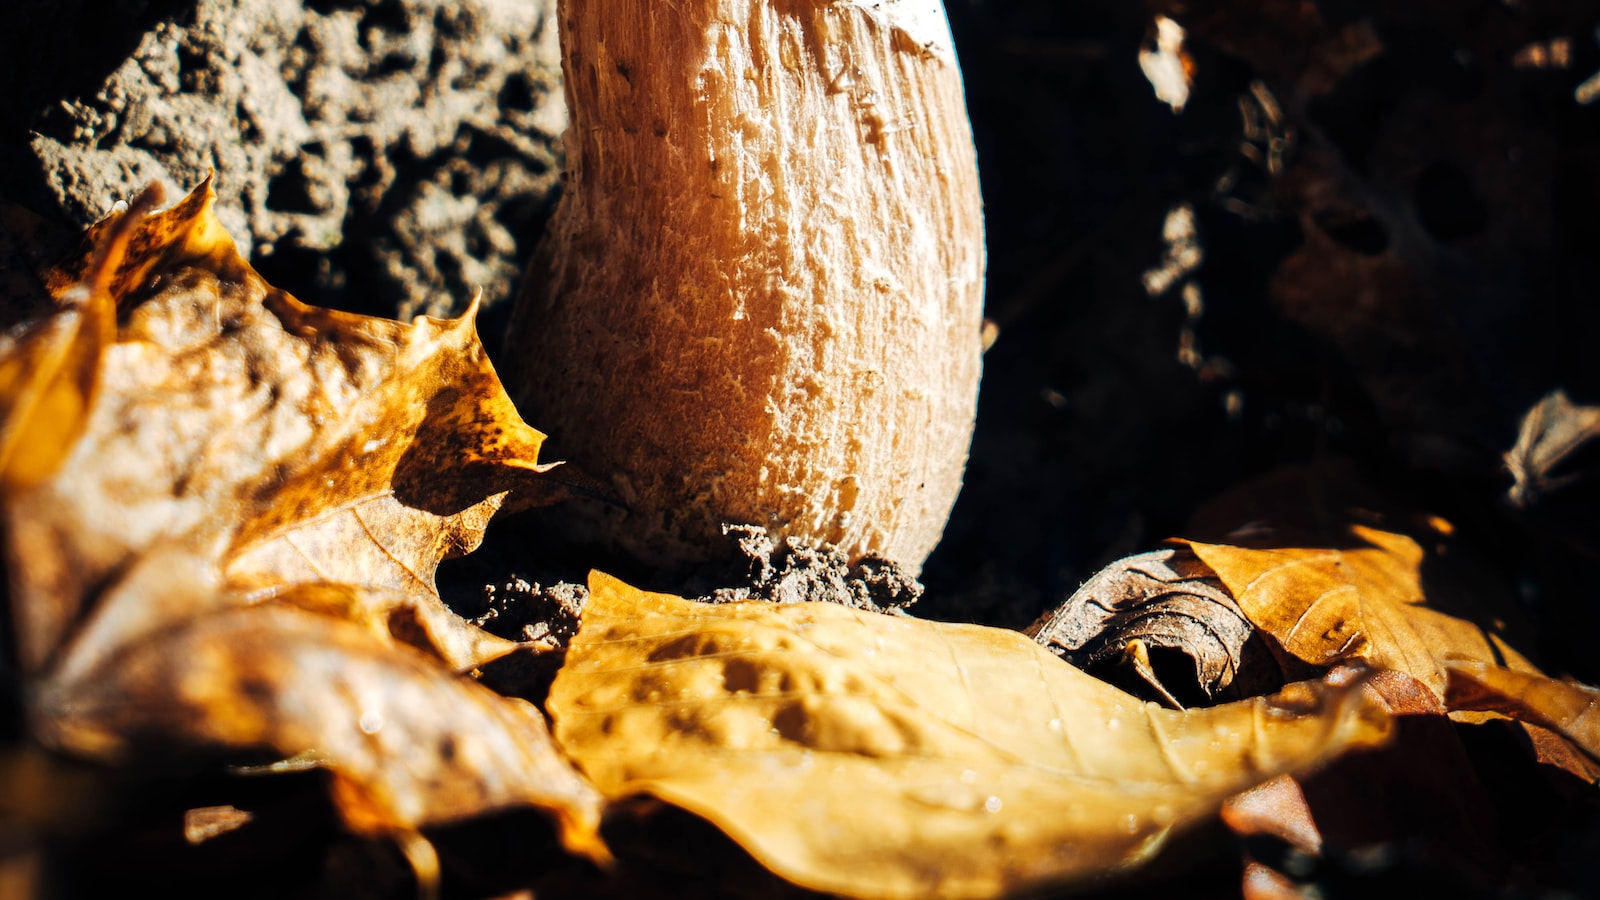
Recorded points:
(1360, 601)
(50, 371)
(1329, 583)
(408, 747)
(881, 756)
(185, 235)
(1570, 710)
(309, 445)
(418, 461)
(234, 544)
(412, 617)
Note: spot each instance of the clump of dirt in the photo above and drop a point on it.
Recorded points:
(522, 610)
(392, 156)
(546, 613)
(797, 572)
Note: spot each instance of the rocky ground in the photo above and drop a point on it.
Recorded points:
(392, 157)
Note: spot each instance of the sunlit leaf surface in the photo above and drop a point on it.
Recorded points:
(222, 514)
(884, 756)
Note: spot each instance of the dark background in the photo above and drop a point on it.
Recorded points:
(1413, 276)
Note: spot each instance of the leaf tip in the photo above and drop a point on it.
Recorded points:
(581, 837)
(110, 249)
(600, 582)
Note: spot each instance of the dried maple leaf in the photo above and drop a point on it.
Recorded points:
(231, 542)
(885, 756)
(1362, 600)
(48, 372)
(320, 445)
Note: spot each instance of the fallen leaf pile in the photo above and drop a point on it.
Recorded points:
(1315, 561)
(222, 515)
(1322, 571)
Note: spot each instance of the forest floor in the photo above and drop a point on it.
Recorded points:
(1370, 233)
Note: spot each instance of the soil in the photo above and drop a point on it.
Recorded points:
(390, 156)
(1369, 233)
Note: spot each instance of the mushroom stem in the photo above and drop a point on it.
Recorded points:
(760, 298)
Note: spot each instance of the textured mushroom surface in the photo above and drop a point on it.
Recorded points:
(760, 299)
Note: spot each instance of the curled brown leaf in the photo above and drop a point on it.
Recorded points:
(1169, 601)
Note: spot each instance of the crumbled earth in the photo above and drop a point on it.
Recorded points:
(795, 572)
(546, 613)
(800, 573)
(392, 156)
(525, 611)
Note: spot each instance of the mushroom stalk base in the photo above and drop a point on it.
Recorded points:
(760, 299)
